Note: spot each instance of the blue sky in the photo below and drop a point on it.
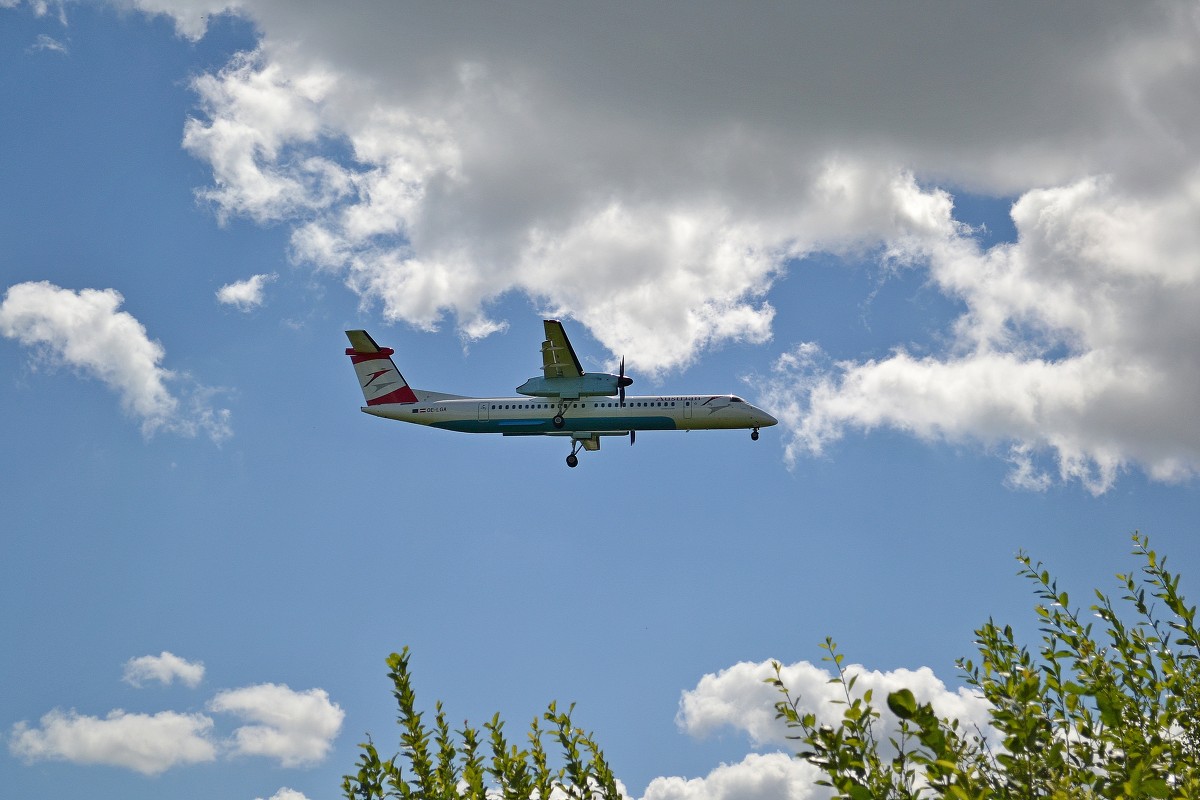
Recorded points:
(963, 280)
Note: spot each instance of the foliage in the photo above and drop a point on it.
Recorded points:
(441, 767)
(1092, 714)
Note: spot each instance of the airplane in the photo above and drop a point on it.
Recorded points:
(564, 401)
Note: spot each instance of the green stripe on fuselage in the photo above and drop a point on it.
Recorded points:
(533, 427)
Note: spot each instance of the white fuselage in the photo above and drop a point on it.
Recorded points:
(598, 416)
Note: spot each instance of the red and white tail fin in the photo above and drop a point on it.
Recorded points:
(381, 382)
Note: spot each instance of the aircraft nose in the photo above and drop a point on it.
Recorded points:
(765, 420)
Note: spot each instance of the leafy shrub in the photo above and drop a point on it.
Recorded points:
(438, 764)
(1093, 714)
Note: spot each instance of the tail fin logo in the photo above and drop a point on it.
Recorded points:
(372, 363)
(375, 375)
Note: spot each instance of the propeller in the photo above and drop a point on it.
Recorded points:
(632, 436)
(622, 381)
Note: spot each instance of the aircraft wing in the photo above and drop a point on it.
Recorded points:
(558, 357)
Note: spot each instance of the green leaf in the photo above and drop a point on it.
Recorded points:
(902, 703)
(1156, 787)
(859, 792)
(1110, 707)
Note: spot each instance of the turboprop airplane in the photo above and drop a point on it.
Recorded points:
(563, 401)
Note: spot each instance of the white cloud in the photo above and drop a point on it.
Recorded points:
(287, 794)
(661, 232)
(739, 698)
(657, 281)
(164, 668)
(294, 727)
(86, 331)
(46, 43)
(1078, 341)
(245, 295)
(770, 776)
(149, 744)
(191, 17)
(261, 120)
(39, 7)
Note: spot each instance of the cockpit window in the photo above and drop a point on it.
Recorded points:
(736, 399)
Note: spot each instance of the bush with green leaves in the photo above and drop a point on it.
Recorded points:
(439, 764)
(1107, 707)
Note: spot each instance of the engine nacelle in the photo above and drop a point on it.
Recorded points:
(591, 384)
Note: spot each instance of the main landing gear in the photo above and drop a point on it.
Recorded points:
(754, 435)
(573, 460)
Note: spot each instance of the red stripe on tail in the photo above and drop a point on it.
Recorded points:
(402, 395)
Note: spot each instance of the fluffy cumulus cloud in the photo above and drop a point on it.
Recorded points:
(164, 668)
(245, 295)
(769, 776)
(286, 794)
(738, 697)
(294, 727)
(86, 330)
(147, 743)
(644, 176)
(1078, 341)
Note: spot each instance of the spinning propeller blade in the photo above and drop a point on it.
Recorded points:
(622, 381)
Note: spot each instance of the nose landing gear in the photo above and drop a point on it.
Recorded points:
(754, 435)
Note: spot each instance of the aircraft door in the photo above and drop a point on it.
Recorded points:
(687, 409)
(483, 412)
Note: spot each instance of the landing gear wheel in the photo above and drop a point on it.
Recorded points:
(557, 421)
(754, 435)
(572, 461)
